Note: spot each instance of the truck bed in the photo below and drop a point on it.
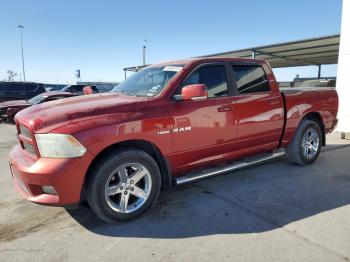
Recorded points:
(300, 101)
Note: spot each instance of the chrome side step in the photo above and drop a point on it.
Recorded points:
(214, 171)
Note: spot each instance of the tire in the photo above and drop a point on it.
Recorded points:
(115, 194)
(306, 144)
(11, 119)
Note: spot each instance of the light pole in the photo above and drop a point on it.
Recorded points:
(24, 74)
(144, 52)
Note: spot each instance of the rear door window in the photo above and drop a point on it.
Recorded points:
(71, 89)
(78, 89)
(250, 79)
(95, 89)
(11, 90)
(4, 88)
(30, 87)
(11, 87)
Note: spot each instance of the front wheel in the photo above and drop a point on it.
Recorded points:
(124, 185)
(305, 146)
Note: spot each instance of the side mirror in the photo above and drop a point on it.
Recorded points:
(193, 92)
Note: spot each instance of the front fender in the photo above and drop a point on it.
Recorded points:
(101, 132)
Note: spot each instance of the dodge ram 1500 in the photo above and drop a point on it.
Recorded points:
(168, 124)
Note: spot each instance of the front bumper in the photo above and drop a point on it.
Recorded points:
(66, 176)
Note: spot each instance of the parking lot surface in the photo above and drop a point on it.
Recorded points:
(271, 212)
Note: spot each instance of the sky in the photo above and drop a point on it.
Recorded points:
(102, 37)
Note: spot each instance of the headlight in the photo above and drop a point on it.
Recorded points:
(59, 146)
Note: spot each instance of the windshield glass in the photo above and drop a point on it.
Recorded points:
(148, 82)
(37, 99)
(64, 89)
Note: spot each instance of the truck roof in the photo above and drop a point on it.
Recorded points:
(207, 59)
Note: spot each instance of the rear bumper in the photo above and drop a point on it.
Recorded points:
(335, 124)
(66, 176)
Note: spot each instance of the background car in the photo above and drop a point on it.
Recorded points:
(19, 90)
(103, 87)
(78, 89)
(53, 87)
(9, 109)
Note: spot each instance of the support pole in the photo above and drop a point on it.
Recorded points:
(144, 55)
(124, 73)
(343, 76)
(253, 54)
(24, 73)
(319, 72)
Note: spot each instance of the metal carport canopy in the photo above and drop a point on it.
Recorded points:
(314, 51)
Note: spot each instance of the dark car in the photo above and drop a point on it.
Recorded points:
(78, 89)
(9, 109)
(53, 87)
(19, 90)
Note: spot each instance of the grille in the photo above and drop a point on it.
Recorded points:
(24, 131)
(29, 148)
(26, 139)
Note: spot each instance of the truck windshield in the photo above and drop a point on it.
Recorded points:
(37, 99)
(148, 82)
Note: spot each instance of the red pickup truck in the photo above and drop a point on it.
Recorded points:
(170, 123)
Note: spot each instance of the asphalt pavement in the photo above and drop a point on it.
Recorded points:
(272, 212)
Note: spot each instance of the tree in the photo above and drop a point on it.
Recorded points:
(11, 75)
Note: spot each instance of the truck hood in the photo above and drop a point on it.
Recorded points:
(51, 115)
(13, 103)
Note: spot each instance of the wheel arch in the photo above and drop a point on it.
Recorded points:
(143, 145)
(316, 116)
(11, 113)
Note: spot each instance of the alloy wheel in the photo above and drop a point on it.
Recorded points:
(128, 187)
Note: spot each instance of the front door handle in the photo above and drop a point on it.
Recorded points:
(225, 108)
(273, 103)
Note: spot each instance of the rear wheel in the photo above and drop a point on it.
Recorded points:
(305, 147)
(124, 185)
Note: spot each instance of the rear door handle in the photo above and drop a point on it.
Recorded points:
(273, 101)
(225, 108)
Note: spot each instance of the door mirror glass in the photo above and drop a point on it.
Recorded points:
(193, 92)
